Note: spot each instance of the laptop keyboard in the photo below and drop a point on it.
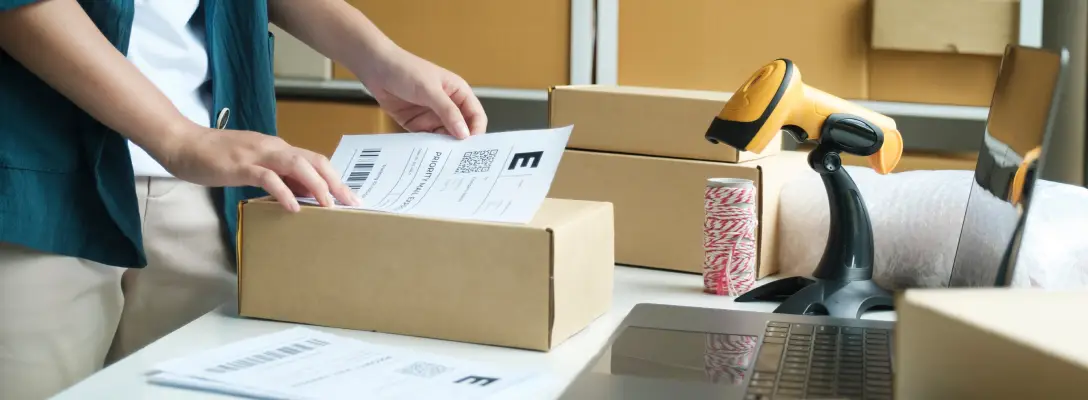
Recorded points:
(801, 361)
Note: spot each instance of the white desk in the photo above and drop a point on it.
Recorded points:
(125, 379)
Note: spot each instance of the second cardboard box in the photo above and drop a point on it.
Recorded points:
(658, 202)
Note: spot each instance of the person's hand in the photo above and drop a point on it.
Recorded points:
(423, 97)
(214, 157)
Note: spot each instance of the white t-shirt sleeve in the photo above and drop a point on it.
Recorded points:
(168, 45)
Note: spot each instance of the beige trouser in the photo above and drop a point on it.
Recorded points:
(62, 318)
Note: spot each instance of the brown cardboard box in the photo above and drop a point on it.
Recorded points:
(318, 125)
(659, 202)
(526, 286)
(991, 344)
(982, 27)
(935, 78)
(646, 121)
(532, 50)
(718, 44)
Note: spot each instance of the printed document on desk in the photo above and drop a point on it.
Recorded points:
(304, 363)
(496, 177)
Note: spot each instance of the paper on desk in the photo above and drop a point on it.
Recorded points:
(497, 177)
(303, 363)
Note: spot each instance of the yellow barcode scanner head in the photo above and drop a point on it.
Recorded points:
(774, 99)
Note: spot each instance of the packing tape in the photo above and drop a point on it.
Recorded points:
(729, 237)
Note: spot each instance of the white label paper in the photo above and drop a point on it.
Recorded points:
(497, 177)
(303, 363)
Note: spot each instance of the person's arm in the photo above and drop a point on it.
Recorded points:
(58, 42)
(333, 28)
(418, 94)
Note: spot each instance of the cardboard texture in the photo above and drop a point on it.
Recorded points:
(718, 44)
(933, 78)
(991, 344)
(645, 121)
(982, 27)
(528, 286)
(532, 51)
(659, 202)
(318, 125)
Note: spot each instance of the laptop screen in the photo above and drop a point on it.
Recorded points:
(1021, 113)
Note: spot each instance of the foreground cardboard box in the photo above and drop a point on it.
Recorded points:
(533, 50)
(318, 125)
(659, 202)
(526, 286)
(991, 344)
(718, 44)
(981, 27)
(645, 121)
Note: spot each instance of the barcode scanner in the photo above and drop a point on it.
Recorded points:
(773, 100)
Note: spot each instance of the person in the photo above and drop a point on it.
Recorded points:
(129, 132)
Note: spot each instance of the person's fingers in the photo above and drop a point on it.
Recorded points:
(423, 121)
(337, 187)
(447, 111)
(270, 181)
(293, 164)
(471, 109)
(296, 187)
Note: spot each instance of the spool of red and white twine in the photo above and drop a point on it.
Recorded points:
(729, 237)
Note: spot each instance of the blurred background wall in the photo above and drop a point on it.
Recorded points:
(930, 64)
(1064, 23)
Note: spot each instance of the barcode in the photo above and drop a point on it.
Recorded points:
(479, 161)
(361, 168)
(268, 356)
(424, 370)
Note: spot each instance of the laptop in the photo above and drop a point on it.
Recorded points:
(675, 352)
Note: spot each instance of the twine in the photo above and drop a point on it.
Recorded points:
(729, 240)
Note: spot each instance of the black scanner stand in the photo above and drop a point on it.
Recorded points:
(842, 285)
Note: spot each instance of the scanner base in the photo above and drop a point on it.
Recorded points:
(842, 285)
(806, 296)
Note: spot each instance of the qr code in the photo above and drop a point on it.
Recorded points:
(476, 161)
(424, 370)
